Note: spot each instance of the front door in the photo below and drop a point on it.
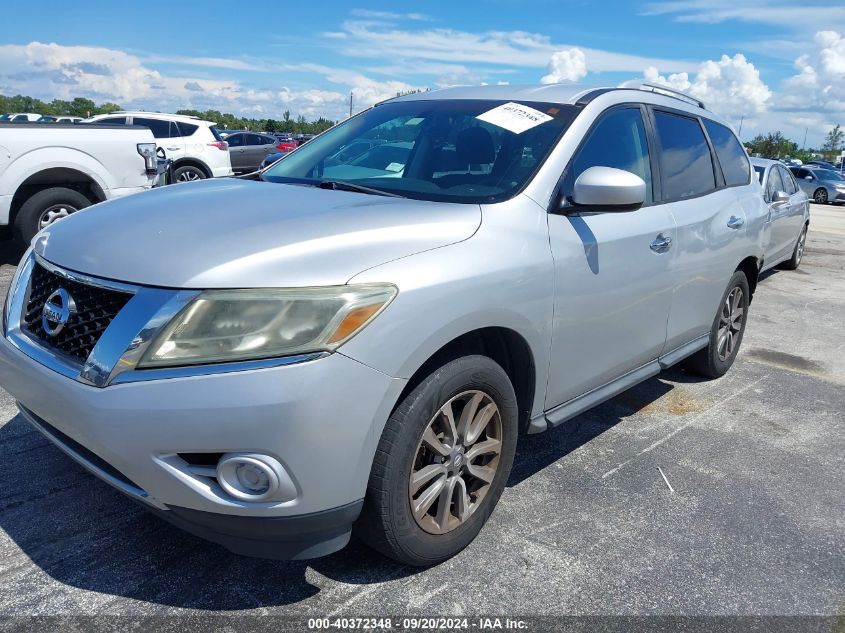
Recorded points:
(613, 284)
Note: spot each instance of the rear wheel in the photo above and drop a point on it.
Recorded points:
(442, 463)
(44, 208)
(798, 252)
(726, 332)
(820, 196)
(188, 173)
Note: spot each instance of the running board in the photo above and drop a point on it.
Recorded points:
(578, 405)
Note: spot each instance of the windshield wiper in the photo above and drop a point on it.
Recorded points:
(342, 185)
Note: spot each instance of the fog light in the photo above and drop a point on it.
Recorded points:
(249, 476)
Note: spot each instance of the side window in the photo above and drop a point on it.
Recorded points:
(789, 184)
(253, 139)
(774, 183)
(618, 140)
(119, 120)
(686, 166)
(235, 140)
(185, 129)
(729, 151)
(159, 128)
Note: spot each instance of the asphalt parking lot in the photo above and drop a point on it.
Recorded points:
(754, 522)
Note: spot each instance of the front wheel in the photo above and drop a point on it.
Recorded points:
(726, 332)
(442, 463)
(820, 196)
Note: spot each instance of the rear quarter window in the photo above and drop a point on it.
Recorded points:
(686, 166)
(187, 129)
(729, 152)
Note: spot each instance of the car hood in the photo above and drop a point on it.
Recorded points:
(232, 233)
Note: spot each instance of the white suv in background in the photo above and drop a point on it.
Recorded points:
(196, 148)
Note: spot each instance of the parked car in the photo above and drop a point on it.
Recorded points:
(272, 158)
(822, 185)
(789, 214)
(820, 163)
(52, 171)
(19, 117)
(195, 146)
(286, 142)
(247, 150)
(276, 366)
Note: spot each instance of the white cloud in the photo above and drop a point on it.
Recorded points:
(504, 49)
(784, 13)
(54, 71)
(820, 83)
(730, 86)
(566, 65)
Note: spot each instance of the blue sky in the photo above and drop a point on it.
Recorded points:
(776, 65)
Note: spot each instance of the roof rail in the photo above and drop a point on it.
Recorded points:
(667, 92)
(671, 92)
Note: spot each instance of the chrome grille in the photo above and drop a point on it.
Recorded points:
(96, 307)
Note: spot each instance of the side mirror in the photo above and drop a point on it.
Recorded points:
(780, 197)
(808, 177)
(608, 189)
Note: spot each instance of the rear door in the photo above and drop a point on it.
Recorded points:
(792, 219)
(167, 135)
(264, 144)
(612, 276)
(710, 222)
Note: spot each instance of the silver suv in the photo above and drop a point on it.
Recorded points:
(356, 345)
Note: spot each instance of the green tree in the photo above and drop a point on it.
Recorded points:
(833, 142)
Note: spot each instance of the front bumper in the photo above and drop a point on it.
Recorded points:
(321, 419)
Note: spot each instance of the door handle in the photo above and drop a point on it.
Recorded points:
(173, 149)
(661, 243)
(735, 222)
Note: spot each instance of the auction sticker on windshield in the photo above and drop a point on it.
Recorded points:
(514, 117)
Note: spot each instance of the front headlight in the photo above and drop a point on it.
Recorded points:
(229, 325)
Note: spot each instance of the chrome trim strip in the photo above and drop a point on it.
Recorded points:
(127, 337)
(81, 278)
(219, 368)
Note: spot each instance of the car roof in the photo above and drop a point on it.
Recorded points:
(765, 162)
(187, 118)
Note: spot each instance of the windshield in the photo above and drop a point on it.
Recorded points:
(827, 174)
(470, 151)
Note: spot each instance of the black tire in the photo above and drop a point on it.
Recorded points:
(708, 361)
(387, 522)
(797, 252)
(188, 173)
(820, 196)
(28, 220)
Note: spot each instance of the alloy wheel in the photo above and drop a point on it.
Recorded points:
(820, 196)
(802, 241)
(455, 462)
(188, 175)
(54, 213)
(730, 323)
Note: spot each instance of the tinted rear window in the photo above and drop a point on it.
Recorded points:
(215, 133)
(685, 164)
(729, 151)
(159, 128)
(186, 129)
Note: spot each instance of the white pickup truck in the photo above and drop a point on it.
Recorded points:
(48, 171)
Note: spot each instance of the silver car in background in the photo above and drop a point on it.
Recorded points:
(821, 185)
(789, 214)
(358, 344)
